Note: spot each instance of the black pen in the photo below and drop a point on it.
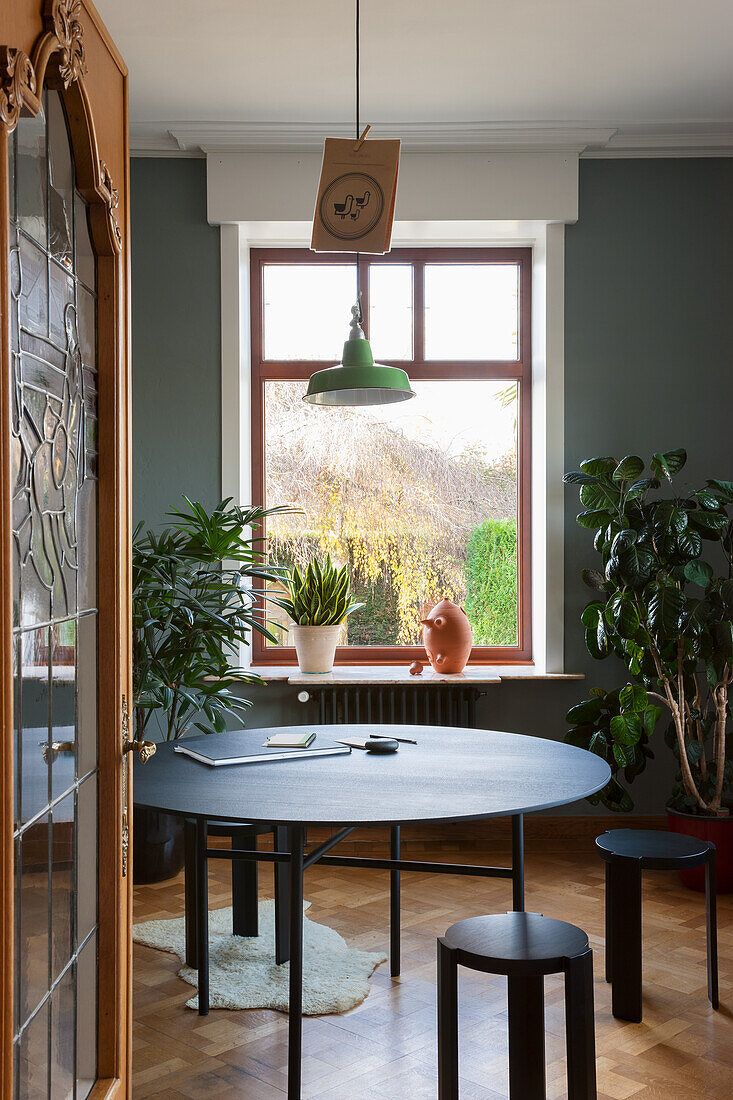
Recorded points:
(402, 740)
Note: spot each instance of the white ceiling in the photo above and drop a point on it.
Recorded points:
(644, 66)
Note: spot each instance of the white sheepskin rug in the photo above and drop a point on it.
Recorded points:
(243, 972)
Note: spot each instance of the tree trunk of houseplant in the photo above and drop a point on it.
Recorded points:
(157, 846)
(718, 830)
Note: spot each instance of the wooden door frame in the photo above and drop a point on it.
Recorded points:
(58, 59)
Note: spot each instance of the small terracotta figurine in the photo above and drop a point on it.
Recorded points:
(447, 637)
(416, 668)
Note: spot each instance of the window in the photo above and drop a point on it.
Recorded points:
(423, 499)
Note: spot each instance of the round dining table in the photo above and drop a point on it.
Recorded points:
(450, 775)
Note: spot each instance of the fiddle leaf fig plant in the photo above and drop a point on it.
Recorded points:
(193, 605)
(666, 612)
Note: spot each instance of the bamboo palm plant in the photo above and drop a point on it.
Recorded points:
(193, 606)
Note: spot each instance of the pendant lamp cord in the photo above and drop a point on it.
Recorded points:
(357, 70)
(357, 28)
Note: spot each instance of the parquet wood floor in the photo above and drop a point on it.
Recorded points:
(386, 1049)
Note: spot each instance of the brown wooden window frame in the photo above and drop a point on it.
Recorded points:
(418, 368)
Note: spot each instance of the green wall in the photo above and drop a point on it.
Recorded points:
(648, 333)
(176, 345)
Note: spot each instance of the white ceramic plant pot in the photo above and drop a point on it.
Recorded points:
(315, 646)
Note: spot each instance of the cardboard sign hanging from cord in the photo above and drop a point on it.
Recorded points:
(356, 196)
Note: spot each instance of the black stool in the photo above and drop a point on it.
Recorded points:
(525, 947)
(627, 853)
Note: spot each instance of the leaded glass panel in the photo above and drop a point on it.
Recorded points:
(54, 439)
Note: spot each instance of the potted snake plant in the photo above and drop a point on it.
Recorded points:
(666, 611)
(318, 600)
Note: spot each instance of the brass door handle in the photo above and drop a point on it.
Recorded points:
(55, 748)
(144, 749)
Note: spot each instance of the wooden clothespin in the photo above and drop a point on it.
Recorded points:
(358, 144)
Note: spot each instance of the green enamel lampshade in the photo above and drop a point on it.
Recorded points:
(358, 380)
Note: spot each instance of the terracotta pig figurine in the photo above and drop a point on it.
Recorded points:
(447, 637)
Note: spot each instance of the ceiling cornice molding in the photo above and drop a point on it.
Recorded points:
(292, 137)
(706, 140)
(195, 139)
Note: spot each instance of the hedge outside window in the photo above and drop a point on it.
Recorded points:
(424, 499)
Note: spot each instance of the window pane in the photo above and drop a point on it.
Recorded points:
(390, 310)
(30, 168)
(34, 882)
(61, 296)
(63, 1027)
(33, 288)
(85, 259)
(86, 1019)
(32, 1073)
(63, 717)
(87, 865)
(471, 311)
(307, 309)
(419, 499)
(62, 883)
(86, 699)
(35, 710)
(61, 185)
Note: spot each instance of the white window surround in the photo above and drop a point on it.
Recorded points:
(546, 237)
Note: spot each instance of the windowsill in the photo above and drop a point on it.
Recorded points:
(390, 674)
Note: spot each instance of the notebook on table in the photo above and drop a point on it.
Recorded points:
(244, 747)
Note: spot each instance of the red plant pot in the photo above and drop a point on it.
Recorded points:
(718, 830)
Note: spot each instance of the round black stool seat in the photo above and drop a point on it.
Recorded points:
(657, 850)
(508, 942)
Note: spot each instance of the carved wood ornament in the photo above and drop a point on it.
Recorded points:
(59, 55)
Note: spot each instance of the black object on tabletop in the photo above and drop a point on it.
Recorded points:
(524, 947)
(628, 852)
(381, 747)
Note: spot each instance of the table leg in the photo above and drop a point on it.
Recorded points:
(711, 921)
(518, 862)
(202, 910)
(282, 898)
(624, 880)
(394, 905)
(295, 1019)
(191, 916)
(526, 1038)
(245, 901)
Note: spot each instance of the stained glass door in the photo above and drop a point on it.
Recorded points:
(54, 470)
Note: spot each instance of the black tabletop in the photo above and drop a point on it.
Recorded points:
(450, 775)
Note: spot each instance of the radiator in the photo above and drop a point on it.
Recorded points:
(423, 705)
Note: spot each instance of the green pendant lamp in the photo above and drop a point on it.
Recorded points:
(358, 380)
